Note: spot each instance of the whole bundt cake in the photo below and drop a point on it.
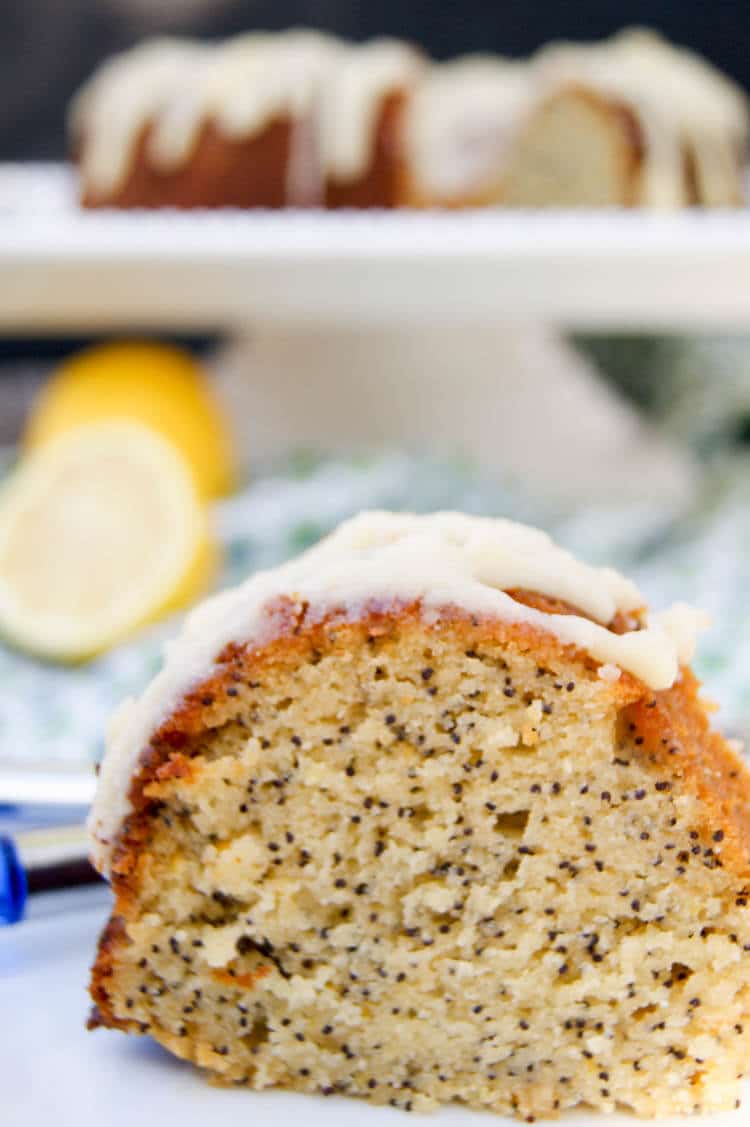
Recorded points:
(299, 119)
(432, 813)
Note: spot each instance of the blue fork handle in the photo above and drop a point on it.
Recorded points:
(13, 885)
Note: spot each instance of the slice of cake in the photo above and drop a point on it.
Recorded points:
(171, 124)
(432, 813)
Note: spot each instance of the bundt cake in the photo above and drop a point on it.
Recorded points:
(432, 813)
(299, 118)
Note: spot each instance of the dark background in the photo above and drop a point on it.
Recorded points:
(47, 47)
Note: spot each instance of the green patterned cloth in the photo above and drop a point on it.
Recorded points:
(57, 714)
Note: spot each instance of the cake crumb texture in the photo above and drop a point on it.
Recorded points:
(429, 862)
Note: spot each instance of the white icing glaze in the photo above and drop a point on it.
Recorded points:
(711, 111)
(242, 86)
(108, 114)
(462, 121)
(352, 95)
(680, 100)
(441, 560)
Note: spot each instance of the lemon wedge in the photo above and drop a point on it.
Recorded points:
(158, 385)
(101, 531)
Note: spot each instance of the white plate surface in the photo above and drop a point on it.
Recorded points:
(55, 1074)
(61, 268)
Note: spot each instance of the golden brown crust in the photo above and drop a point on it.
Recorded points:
(670, 728)
(677, 739)
(379, 184)
(221, 172)
(732, 189)
(690, 173)
(621, 624)
(113, 937)
(634, 150)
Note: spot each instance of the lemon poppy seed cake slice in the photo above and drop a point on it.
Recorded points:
(432, 813)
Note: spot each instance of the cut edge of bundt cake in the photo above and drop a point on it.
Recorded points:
(689, 147)
(420, 850)
(579, 148)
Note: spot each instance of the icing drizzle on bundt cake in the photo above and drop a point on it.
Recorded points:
(176, 87)
(359, 80)
(109, 113)
(439, 562)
